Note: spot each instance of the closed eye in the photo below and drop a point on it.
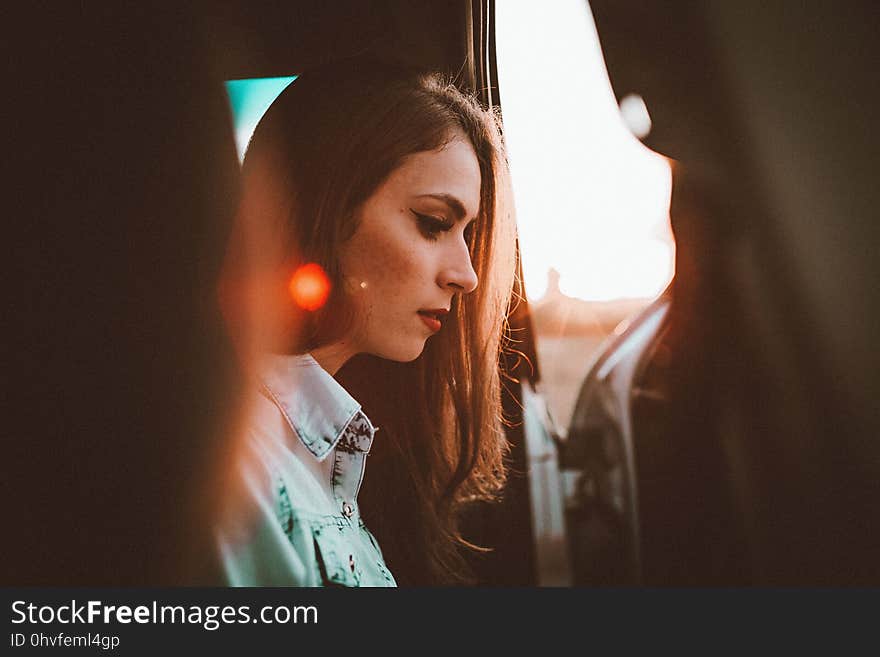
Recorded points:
(431, 226)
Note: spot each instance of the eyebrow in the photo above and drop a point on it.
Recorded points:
(454, 204)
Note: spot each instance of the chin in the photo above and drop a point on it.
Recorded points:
(401, 353)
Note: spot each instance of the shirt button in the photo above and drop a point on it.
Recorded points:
(347, 510)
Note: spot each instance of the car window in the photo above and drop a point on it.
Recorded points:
(249, 99)
(592, 202)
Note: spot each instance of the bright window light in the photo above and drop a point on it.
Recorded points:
(249, 100)
(592, 201)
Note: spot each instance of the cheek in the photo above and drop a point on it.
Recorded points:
(388, 268)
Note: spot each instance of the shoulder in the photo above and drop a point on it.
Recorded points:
(254, 533)
(271, 458)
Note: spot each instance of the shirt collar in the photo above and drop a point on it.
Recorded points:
(318, 409)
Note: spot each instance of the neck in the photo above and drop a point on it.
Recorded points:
(332, 357)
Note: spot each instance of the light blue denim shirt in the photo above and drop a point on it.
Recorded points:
(302, 467)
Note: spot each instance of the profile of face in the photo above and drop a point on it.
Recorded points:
(408, 257)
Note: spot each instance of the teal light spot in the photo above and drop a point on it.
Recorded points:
(249, 100)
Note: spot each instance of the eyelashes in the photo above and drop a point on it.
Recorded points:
(431, 226)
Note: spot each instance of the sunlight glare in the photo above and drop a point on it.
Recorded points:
(592, 201)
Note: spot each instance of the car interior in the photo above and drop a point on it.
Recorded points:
(748, 452)
(752, 434)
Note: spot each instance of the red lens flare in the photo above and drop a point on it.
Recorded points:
(309, 286)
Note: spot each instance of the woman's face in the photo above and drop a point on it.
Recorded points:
(408, 256)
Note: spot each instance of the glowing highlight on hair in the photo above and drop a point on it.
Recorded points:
(309, 287)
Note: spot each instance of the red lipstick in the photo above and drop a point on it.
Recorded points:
(433, 317)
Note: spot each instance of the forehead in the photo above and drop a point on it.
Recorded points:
(453, 170)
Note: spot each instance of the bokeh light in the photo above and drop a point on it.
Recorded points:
(309, 287)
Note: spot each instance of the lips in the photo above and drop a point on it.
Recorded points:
(433, 318)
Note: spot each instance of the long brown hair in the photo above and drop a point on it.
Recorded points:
(327, 143)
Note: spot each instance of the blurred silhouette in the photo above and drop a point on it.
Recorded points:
(121, 383)
(754, 437)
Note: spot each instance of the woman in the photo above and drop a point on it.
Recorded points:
(384, 193)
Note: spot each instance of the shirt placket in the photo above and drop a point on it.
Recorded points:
(349, 461)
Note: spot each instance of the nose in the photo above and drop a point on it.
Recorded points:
(457, 273)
